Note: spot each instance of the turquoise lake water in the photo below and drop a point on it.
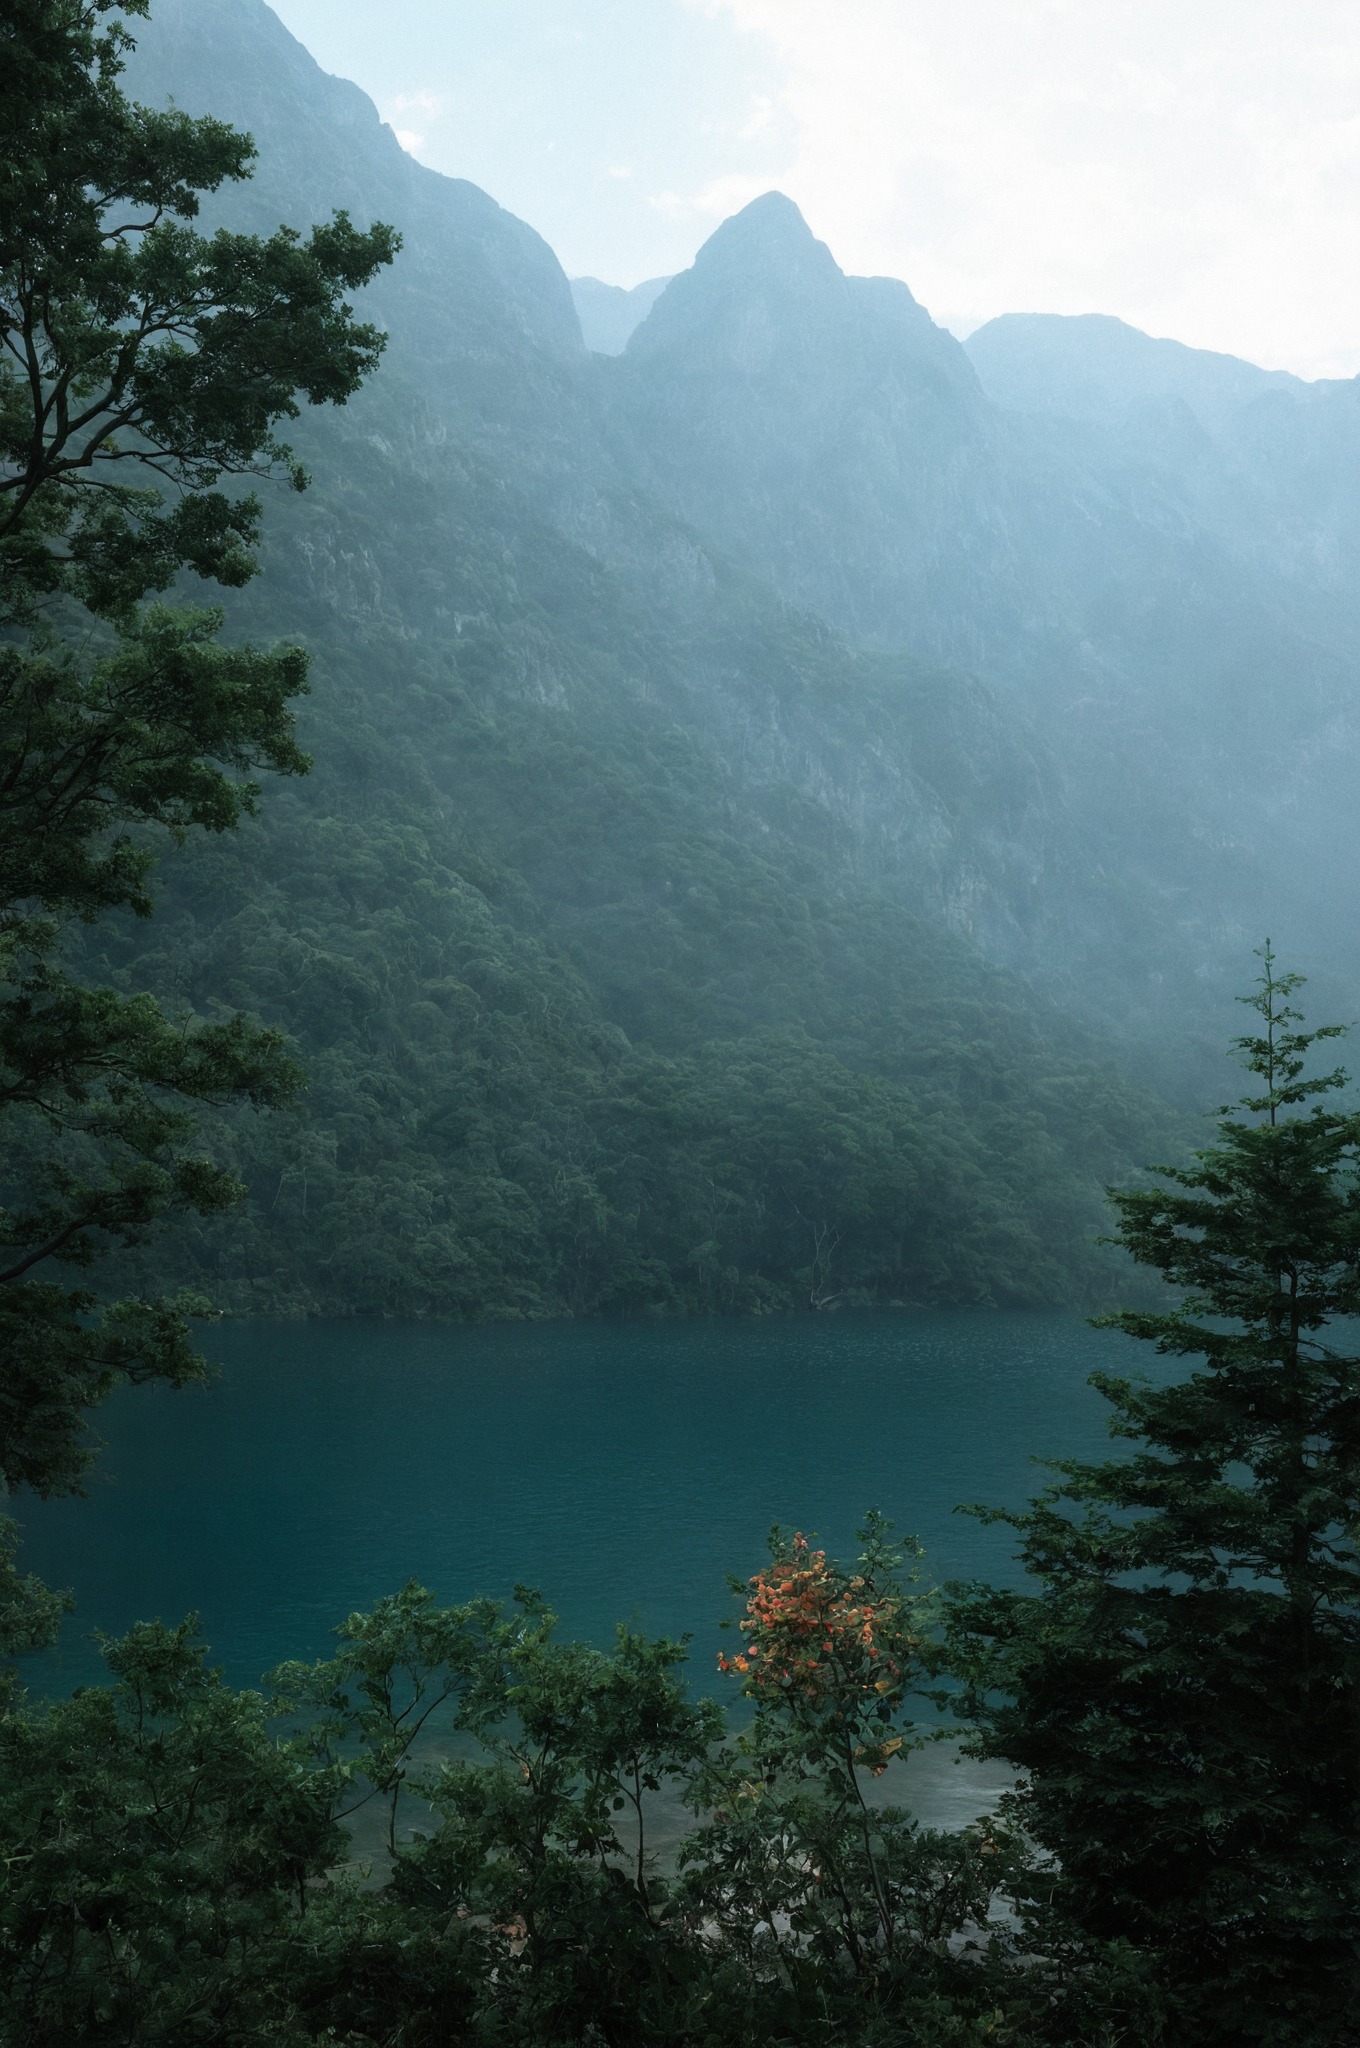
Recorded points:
(623, 1469)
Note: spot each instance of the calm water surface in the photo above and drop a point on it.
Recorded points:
(624, 1469)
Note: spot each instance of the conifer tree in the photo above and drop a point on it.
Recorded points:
(1182, 1692)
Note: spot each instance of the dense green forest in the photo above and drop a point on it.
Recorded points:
(588, 1025)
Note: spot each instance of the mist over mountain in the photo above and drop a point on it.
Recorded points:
(1090, 366)
(1264, 461)
(1169, 594)
(775, 781)
(608, 312)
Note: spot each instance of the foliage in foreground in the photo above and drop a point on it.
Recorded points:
(178, 1872)
(1179, 1693)
(1182, 1692)
(142, 364)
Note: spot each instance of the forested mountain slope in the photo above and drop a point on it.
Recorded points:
(590, 1021)
(1141, 623)
(760, 683)
(628, 925)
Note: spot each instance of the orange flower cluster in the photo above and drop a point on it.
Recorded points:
(812, 1633)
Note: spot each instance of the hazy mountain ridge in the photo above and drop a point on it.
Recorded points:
(609, 312)
(1121, 584)
(1094, 367)
(1271, 460)
(626, 798)
(621, 924)
(1176, 609)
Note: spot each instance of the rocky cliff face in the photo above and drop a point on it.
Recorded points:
(1101, 718)
(478, 309)
(1266, 463)
(1151, 549)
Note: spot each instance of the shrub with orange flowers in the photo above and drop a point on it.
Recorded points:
(834, 1645)
(798, 1865)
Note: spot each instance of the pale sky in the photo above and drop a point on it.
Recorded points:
(1190, 165)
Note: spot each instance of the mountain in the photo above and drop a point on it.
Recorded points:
(608, 313)
(795, 728)
(811, 424)
(1266, 463)
(1165, 631)
(479, 312)
(1170, 604)
(1092, 367)
(1165, 636)
(638, 931)
(827, 432)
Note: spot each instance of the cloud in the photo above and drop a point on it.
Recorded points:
(1192, 169)
(412, 103)
(714, 201)
(760, 120)
(429, 103)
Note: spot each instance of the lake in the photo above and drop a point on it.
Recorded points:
(622, 1468)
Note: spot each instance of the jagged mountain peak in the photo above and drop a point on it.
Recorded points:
(750, 292)
(770, 235)
(764, 296)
